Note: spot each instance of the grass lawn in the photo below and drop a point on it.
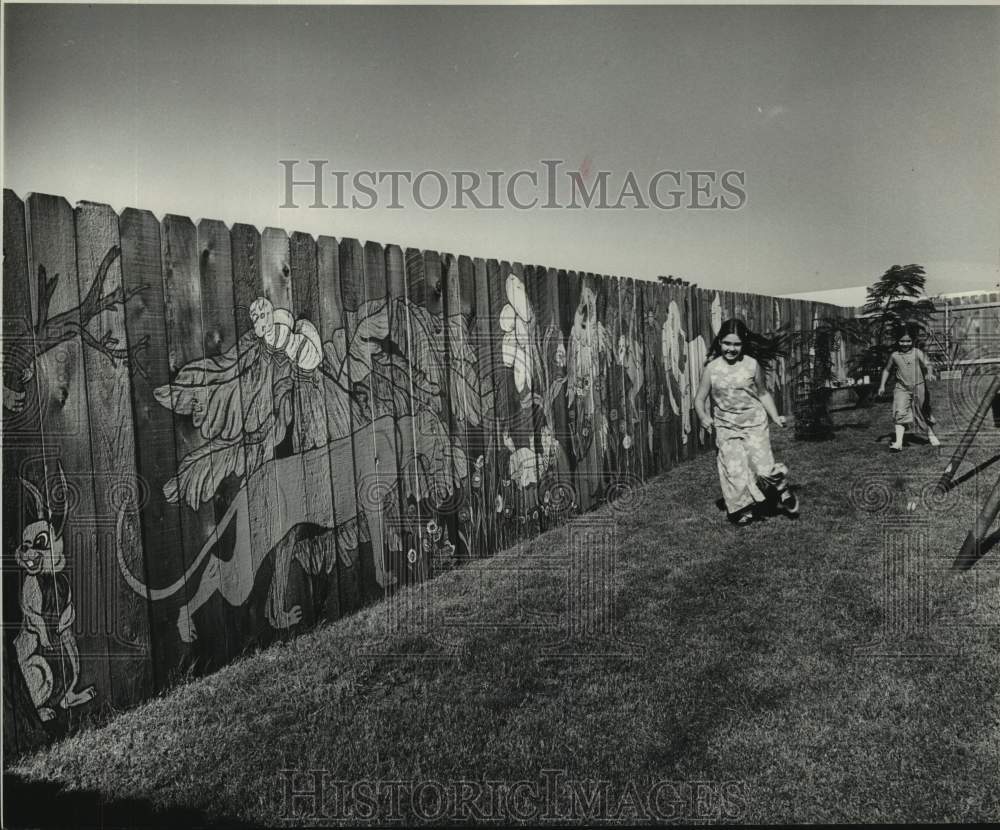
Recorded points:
(829, 669)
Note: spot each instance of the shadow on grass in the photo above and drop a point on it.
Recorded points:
(909, 439)
(723, 599)
(861, 427)
(46, 805)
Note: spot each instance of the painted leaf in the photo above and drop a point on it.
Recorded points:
(419, 335)
(394, 387)
(464, 375)
(370, 325)
(440, 466)
(209, 390)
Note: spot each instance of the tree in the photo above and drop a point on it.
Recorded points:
(812, 368)
(894, 301)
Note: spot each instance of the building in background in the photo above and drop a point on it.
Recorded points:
(964, 332)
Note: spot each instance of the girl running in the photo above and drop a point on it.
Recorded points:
(909, 395)
(741, 405)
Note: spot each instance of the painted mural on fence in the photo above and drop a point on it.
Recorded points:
(46, 641)
(460, 407)
(282, 379)
(294, 383)
(44, 332)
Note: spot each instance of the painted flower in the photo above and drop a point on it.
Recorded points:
(514, 320)
(549, 447)
(411, 556)
(627, 442)
(523, 469)
(527, 465)
(499, 504)
(560, 355)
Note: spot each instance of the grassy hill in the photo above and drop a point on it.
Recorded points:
(829, 669)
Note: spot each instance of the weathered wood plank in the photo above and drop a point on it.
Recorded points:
(652, 356)
(155, 449)
(505, 403)
(184, 345)
(219, 342)
(464, 398)
(112, 432)
(353, 293)
(385, 496)
(590, 342)
(260, 440)
(630, 355)
(619, 432)
(338, 425)
(485, 479)
(445, 499)
(407, 565)
(286, 595)
(574, 327)
(77, 656)
(688, 426)
(517, 329)
(424, 349)
(22, 438)
(549, 391)
(529, 417)
(316, 556)
(704, 323)
(637, 375)
(607, 392)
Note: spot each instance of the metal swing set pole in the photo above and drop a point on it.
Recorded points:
(970, 552)
(970, 433)
(971, 548)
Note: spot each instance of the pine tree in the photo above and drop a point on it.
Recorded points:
(894, 302)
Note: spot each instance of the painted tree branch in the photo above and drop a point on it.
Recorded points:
(49, 332)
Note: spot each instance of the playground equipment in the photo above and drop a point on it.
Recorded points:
(972, 547)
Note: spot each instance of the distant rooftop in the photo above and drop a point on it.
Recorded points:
(856, 295)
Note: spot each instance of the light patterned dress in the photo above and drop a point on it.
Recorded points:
(909, 394)
(741, 433)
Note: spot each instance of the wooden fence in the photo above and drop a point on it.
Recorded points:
(214, 437)
(965, 331)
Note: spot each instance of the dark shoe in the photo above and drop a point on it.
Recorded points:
(744, 519)
(790, 503)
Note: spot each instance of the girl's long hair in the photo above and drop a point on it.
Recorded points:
(761, 348)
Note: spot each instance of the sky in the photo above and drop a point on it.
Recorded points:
(863, 137)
